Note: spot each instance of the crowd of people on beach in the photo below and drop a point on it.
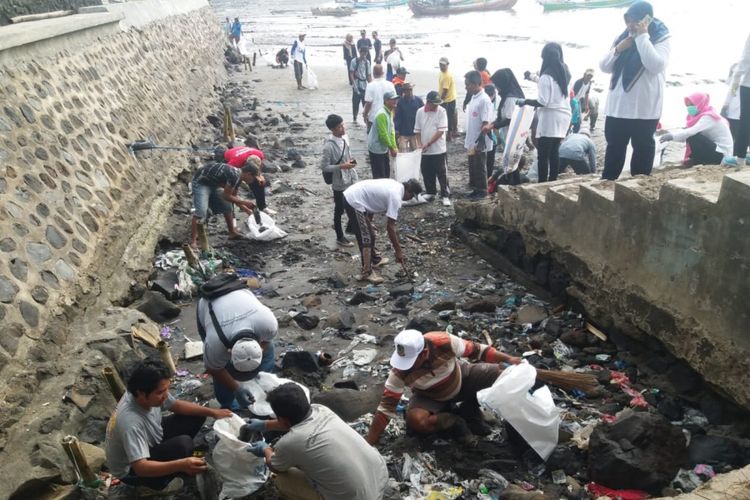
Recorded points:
(318, 455)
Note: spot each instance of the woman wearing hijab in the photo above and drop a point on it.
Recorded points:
(350, 53)
(554, 111)
(707, 134)
(637, 61)
(508, 91)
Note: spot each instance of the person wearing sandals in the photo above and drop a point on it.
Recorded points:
(337, 162)
(375, 196)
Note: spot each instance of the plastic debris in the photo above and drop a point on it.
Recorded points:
(362, 357)
(600, 490)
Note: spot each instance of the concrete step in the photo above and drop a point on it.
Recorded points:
(735, 189)
(597, 197)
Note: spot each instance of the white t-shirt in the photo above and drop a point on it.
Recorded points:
(338, 461)
(394, 59)
(427, 123)
(299, 52)
(645, 100)
(554, 115)
(236, 311)
(479, 109)
(376, 196)
(715, 130)
(374, 93)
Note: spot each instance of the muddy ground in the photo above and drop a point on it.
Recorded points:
(450, 288)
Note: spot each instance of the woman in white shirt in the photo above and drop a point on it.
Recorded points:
(707, 134)
(554, 111)
(637, 61)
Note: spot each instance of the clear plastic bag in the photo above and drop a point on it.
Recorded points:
(311, 79)
(533, 415)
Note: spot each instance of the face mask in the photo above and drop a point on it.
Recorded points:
(692, 110)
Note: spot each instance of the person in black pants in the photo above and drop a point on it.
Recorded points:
(142, 448)
(360, 75)
(743, 130)
(619, 132)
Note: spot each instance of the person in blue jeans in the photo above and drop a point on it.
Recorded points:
(238, 333)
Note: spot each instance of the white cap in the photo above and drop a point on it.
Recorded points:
(246, 355)
(409, 344)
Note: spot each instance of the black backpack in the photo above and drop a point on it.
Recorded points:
(328, 176)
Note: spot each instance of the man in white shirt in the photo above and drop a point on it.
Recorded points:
(638, 62)
(376, 196)
(237, 333)
(374, 93)
(430, 127)
(300, 61)
(479, 112)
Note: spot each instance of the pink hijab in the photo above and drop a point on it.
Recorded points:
(701, 101)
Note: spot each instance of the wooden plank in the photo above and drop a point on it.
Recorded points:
(39, 17)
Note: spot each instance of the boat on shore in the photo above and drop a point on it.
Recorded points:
(378, 4)
(552, 5)
(447, 7)
(337, 9)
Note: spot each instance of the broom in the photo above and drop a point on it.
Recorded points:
(584, 382)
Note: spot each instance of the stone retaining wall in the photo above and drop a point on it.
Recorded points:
(666, 256)
(79, 215)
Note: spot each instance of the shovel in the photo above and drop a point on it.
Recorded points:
(149, 144)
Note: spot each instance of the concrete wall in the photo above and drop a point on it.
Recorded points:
(79, 216)
(13, 8)
(667, 256)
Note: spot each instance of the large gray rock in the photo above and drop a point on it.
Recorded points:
(350, 404)
(640, 451)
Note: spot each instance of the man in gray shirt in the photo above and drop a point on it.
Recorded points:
(578, 151)
(360, 74)
(339, 170)
(148, 451)
(320, 456)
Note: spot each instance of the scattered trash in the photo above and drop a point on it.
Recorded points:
(602, 491)
(362, 357)
(193, 350)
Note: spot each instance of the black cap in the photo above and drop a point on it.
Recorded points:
(402, 71)
(219, 153)
(433, 97)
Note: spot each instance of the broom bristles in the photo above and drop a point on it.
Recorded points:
(584, 382)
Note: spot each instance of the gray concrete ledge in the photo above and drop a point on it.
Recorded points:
(18, 35)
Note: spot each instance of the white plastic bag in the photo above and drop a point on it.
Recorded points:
(242, 473)
(311, 80)
(262, 385)
(534, 416)
(271, 231)
(407, 165)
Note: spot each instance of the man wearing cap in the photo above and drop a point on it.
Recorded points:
(338, 162)
(300, 61)
(399, 80)
(375, 196)
(393, 58)
(406, 114)
(361, 75)
(237, 332)
(381, 138)
(430, 128)
(376, 89)
(589, 103)
(433, 367)
(238, 157)
(447, 90)
(214, 186)
(365, 43)
(479, 113)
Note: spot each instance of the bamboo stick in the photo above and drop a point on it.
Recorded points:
(78, 459)
(166, 356)
(114, 382)
(192, 260)
(202, 237)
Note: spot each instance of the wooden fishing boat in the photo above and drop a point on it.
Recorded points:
(552, 5)
(378, 4)
(447, 7)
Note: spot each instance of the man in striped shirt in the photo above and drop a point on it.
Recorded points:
(431, 365)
